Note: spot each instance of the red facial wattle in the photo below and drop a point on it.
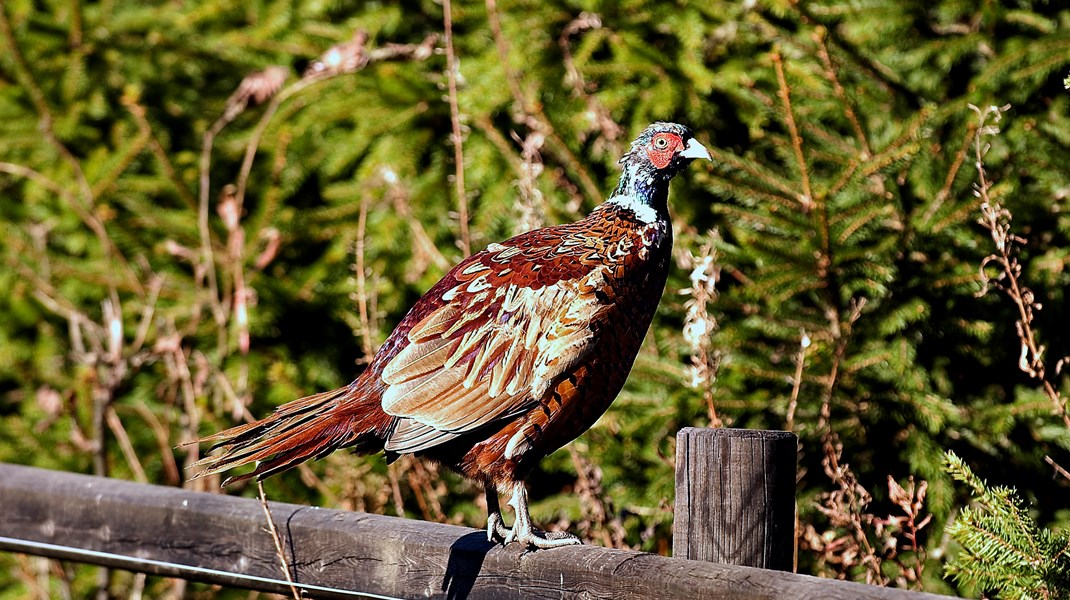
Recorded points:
(662, 148)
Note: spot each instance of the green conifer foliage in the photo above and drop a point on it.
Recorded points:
(1003, 549)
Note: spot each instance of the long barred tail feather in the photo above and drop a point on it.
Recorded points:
(305, 429)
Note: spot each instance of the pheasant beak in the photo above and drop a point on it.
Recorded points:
(695, 150)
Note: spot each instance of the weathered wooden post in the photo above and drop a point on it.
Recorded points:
(735, 497)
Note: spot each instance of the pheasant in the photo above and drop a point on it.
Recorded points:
(518, 350)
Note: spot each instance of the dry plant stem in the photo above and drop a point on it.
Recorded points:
(142, 333)
(996, 220)
(610, 530)
(116, 426)
(258, 134)
(1058, 468)
(367, 345)
(503, 54)
(421, 239)
(366, 57)
(700, 325)
(32, 576)
(36, 177)
(395, 488)
(796, 381)
(465, 242)
(531, 114)
(283, 563)
(178, 368)
(602, 119)
(841, 475)
(207, 255)
(239, 101)
(427, 496)
(163, 443)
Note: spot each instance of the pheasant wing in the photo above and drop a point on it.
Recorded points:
(504, 325)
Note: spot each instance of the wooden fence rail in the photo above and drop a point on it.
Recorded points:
(338, 554)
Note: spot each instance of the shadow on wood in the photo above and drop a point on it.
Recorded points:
(466, 561)
(337, 554)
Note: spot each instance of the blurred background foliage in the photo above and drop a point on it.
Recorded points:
(828, 260)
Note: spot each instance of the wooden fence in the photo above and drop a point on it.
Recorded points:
(730, 506)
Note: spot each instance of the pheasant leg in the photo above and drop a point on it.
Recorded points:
(496, 529)
(524, 532)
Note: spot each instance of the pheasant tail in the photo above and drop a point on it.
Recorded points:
(305, 429)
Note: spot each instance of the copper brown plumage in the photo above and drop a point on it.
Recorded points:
(514, 353)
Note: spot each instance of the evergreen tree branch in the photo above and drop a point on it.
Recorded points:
(1002, 547)
(766, 176)
(830, 73)
(807, 199)
(367, 344)
(139, 112)
(872, 66)
(84, 205)
(952, 173)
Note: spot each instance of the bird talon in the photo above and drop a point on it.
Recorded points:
(496, 529)
(525, 533)
(536, 538)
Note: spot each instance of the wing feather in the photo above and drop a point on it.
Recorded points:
(491, 348)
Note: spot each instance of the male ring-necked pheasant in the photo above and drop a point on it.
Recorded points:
(513, 354)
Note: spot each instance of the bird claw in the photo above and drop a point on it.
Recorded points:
(496, 529)
(541, 539)
(522, 530)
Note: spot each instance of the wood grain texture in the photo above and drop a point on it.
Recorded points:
(222, 539)
(735, 497)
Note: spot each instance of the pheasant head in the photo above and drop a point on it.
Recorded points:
(655, 157)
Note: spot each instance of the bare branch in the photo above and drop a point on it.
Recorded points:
(452, 68)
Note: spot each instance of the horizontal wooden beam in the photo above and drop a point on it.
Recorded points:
(338, 554)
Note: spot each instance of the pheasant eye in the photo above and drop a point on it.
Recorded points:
(661, 143)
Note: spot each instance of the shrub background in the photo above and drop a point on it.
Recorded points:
(835, 295)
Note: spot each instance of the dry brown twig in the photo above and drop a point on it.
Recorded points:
(452, 70)
(911, 502)
(422, 244)
(367, 343)
(1058, 468)
(279, 552)
(530, 115)
(532, 207)
(997, 220)
(596, 111)
(847, 543)
(602, 520)
(796, 380)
